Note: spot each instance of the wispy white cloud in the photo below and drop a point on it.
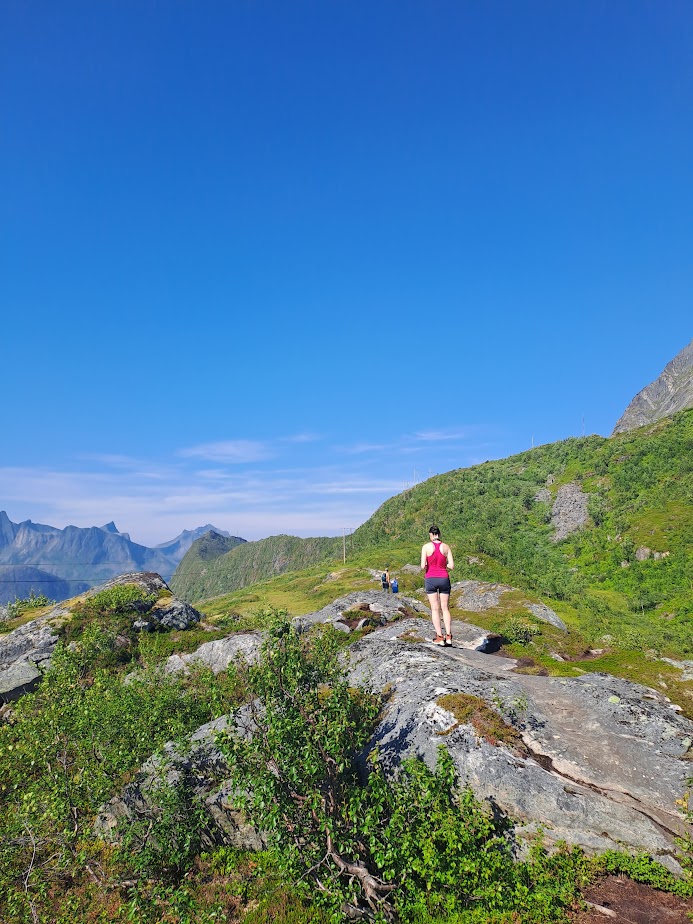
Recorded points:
(231, 451)
(301, 438)
(362, 448)
(437, 436)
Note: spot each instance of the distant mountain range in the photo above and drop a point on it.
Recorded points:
(62, 562)
(672, 391)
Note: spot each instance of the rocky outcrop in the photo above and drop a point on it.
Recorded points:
(217, 655)
(22, 652)
(26, 651)
(353, 611)
(569, 511)
(602, 761)
(594, 760)
(672, 391)
(199, 769)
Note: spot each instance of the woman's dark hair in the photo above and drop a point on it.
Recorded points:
(434, 531)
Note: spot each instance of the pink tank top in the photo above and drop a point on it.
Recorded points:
(436, 563)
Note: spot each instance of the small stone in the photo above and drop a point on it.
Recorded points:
(142, 625)
(614, 699)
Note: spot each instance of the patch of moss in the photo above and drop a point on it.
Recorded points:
(474, 711)
(412, 637)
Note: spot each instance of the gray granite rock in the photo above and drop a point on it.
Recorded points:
(17, 679)
(477, 596)
(201, 769)
(686, 667)
(34, 641)
(383, 605)
(217, 655)
(600, 761)
(21, 652)
(31, 645)
(603, 760)
(569, 511)
(545, 613)
(172, 613)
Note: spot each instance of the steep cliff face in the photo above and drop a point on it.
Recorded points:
(671, 392)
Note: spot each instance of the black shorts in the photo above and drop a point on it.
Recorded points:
(437, 584)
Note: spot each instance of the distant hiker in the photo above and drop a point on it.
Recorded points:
(385, 579)
(395, 586)
(436, 561)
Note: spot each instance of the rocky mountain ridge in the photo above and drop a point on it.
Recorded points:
(59, 563)
(670, 392)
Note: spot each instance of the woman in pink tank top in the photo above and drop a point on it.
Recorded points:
(436, 562)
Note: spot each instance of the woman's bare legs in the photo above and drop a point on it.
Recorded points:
(447, 618)
(434, 600)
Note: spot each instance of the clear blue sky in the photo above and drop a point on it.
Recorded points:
(263, 263)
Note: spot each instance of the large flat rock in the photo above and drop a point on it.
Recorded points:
(603, 760)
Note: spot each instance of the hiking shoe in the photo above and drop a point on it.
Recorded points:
(448, 641)
(439, 640)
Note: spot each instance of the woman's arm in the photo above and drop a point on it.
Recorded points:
(424, 551)
(448, 552)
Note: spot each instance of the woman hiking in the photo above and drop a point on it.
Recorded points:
(436, 562)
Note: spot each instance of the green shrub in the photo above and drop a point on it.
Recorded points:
(118, 599)
(517, 630)
(32, 602)
(70, 747)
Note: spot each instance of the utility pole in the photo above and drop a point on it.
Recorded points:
(344, 532)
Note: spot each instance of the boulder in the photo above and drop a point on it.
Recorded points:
(21, 653)
(172, 613)
(201, 769)
(217, 655)
(17, 679)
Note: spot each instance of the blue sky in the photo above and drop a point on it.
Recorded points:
(265, 263)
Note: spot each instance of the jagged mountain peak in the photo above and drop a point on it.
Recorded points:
(672, 391)
(110, 527)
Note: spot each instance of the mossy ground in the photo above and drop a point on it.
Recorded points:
(488, 724)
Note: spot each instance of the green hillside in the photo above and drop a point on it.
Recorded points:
(631, 564)
(208, 569)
